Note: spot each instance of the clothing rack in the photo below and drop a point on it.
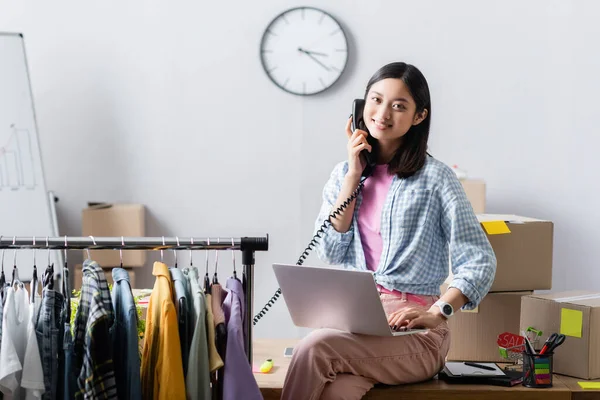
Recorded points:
(247, 245)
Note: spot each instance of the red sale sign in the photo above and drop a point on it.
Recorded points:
(511, 341)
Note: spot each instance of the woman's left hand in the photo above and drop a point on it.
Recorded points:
(415, 318)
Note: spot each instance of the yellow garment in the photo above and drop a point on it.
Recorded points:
(162, 367)
(214, 359)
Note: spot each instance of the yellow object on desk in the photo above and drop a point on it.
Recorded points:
(266, 366)
(589, 385)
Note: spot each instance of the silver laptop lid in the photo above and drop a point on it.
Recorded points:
(332, 298)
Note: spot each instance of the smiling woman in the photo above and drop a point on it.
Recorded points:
(402, 224)
(304, 51)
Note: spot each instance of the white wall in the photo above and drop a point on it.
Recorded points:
(166, 104)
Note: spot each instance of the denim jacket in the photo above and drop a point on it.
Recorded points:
(125, 338)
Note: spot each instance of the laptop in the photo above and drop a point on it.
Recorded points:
(335, 298)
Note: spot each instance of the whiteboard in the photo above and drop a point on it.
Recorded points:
(25, 209)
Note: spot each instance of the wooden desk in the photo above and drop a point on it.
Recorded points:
(565, 388)
(577, 393)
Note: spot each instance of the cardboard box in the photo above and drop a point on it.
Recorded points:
(115, 220)
(474, 334)
(475, 190)
(524, 256)
(575, 314)
(78, 276)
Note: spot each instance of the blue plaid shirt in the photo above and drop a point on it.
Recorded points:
(426, 221)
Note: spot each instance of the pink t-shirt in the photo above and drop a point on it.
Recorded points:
(369, 215)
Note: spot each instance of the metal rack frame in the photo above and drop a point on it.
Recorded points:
(247, 245)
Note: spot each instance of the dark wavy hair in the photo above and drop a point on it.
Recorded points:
(410, 157)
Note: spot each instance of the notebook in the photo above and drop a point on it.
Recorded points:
(462, 369)
(495, 378)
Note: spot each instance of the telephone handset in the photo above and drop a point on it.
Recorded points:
(357, 122)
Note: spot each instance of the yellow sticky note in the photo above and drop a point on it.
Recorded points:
(571, 322)
(495, 227)
(589, 385)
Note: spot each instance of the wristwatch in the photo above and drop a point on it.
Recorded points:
(446, 308)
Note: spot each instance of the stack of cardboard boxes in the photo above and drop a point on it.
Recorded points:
(116, 220)
(523, 248)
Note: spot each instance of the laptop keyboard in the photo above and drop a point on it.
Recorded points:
(403, 330)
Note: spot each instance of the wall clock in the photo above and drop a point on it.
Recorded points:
(304, 51)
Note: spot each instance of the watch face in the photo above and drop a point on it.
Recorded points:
(447, 309)
(304, 51)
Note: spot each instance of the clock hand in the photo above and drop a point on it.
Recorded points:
(315, 59)
(312, 52)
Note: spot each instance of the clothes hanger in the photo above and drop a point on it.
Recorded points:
(162, 259)
(2, 276)
(191, 245)
(89, 256)
(233, 258)
(206, 278)
(48, 277)
(215, 280)
(66, 276)
(34, 279)
(15, 272)
(180, 301)
(2, 280)
(175, 251)
(121, 251)
(65, 284)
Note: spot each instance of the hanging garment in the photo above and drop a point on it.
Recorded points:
(162, 368)
(92, 348)
(197, 383)
(69, 379)
(183, 317)
(68, 386)
(214, 360)
(217, 294)
(1, 313)
(126, 356)
(49, 332)
(14, 342)
(239, 380)
(190, 307)
(2, 296)
(33, 374)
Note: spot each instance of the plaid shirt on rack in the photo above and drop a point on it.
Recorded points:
(426, 221)
(93, 361)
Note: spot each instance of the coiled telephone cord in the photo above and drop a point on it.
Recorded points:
(311, 245)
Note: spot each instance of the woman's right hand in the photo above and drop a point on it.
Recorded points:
(357, 142)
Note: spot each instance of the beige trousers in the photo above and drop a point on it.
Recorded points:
(331, 364)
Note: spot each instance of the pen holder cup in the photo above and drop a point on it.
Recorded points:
(537, 370)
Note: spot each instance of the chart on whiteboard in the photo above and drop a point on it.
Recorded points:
(16, 159)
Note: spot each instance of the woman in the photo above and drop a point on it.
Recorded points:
(411, 218)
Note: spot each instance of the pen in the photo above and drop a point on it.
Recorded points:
(528, 345)
(472, 364)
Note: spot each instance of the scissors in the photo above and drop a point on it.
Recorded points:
(555, 340)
